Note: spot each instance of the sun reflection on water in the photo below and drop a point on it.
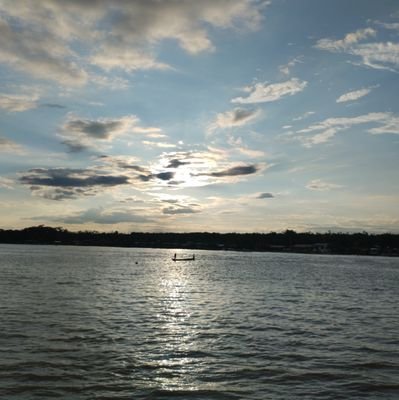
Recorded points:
(177, 333)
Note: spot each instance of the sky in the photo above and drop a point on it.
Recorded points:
(211, 115)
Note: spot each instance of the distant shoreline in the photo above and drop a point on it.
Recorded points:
(386, 244)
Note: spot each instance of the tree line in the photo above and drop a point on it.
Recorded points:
(287, 241)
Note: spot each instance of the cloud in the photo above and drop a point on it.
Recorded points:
(390, 125)
(265, 196)
(18, 103)
(57, 40)
(377, 55)
(262, 92)
(149, 131)
(81, 134)
(162, 145)
(63, 183)
(234, 118)
(38, 54)
(202, 168)
(176, 163)
(105, 217)
(286, 68)
(300, 118)
(241, 148)
(349, 40)
(178, 210)
(235, 171)
(52, 105)
(389, 25)
(114, 56)
(113, 83)
(346, 122)
(138, 28)
(6, 183)
(8, 146)
(121, 162)
(250, 152)
(321, 137)
(329, 127)
(164, 176)
(319, 185)
(351, 96)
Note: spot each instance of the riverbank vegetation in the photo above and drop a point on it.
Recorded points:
(287, 241)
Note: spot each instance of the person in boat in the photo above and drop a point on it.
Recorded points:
(174, 256)
(193, 256)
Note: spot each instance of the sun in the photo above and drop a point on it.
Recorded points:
(187, 176)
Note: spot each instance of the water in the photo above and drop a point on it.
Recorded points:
(90, 323)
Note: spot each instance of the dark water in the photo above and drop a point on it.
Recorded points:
(90, 323)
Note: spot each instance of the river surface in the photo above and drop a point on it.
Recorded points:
(110, 323)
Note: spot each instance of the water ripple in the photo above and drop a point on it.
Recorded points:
(89, 323)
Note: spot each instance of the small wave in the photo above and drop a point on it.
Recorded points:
(192, 394)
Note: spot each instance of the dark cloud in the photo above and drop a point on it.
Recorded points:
(63, 183)
(165, 176)
(241, 114)
(64, 177)
(144, 178)
(235, 171)
(176, 163)
(265, 196)
(95, 129)
(171, 201)
(133, 167)
(75, 146)
(180, 210)
(81, 134)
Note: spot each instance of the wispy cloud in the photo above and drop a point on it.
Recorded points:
(347, 42)
(354, 95)
(264, 92)
(234, 118)
(239, 147)
(161, 145)
(328, 128)
(377, 55)
(389, 125)
(303, 116)
(6, 183)
(102, 216)
(18, 102)
(286, 68)
(8, 146)
(320, 185)
(389, 25)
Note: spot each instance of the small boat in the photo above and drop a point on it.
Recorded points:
(175, 258)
